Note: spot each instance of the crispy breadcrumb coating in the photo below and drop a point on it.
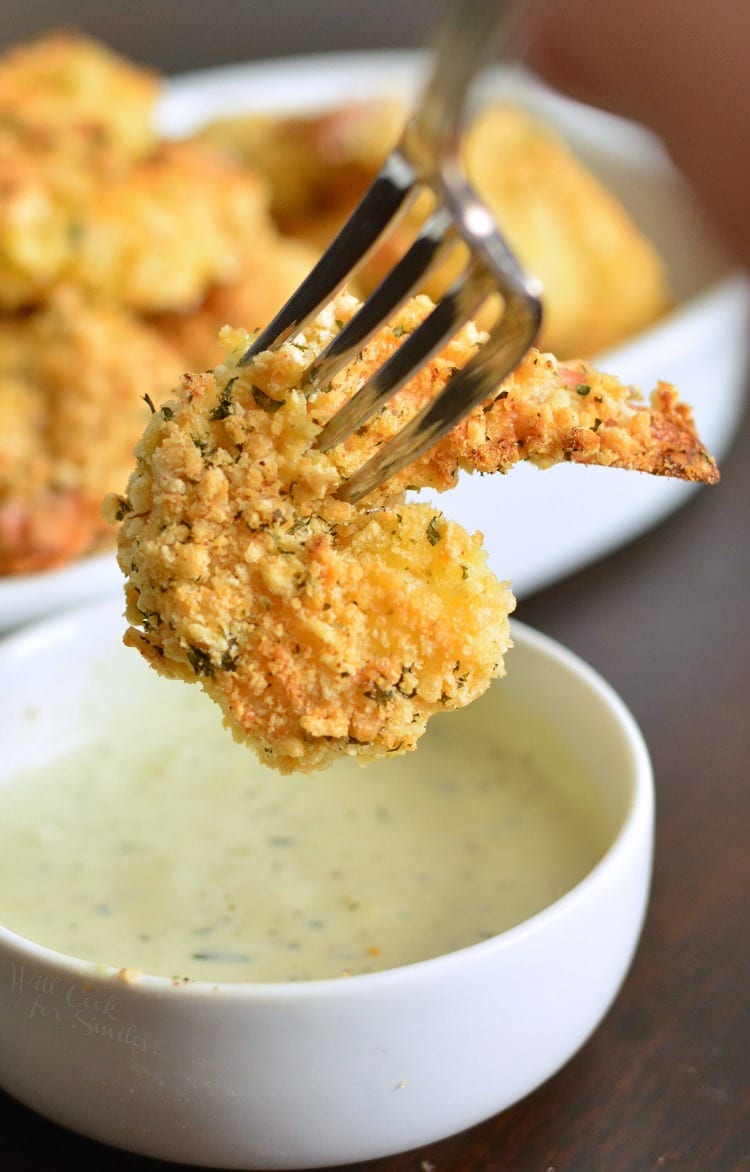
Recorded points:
(184, 219)
(180, 233)
(89, 194)
(65, 80)
(545, 412)
(317, 165)
(153, 235)
(100, 220)
(322, 627)
(271, 276)
(72, 380)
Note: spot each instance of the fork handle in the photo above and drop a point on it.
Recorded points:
(467, 40)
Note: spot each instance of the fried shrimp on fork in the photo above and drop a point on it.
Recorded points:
(323, 627)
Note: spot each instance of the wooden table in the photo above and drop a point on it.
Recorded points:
(664, 1084)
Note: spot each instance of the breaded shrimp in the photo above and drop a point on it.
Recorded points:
(154, 235)
(322, 627)
(71, 412)
(65, 80)
(270, 277)
(317, 165)
(545, 412)
(91, 195)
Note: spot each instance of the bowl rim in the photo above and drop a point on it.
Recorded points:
(637, 822)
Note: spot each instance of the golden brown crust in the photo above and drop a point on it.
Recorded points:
(317, 165)
(270, 277)
(98, 218)
(152, 235)
(322, 627)
(71, 411)
(340, 640)
(180, 233)
(545, 412)
(319, 627)
(613, 429)
(65, 81)
(90, 195)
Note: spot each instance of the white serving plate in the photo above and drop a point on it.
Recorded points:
(535, 530)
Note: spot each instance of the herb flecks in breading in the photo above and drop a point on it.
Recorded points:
(324, 628)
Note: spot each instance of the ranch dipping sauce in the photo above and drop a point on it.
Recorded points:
(166, 847)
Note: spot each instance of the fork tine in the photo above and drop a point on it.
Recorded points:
(451, 312)
(389, 195)
(426, 156)
(466, 40)
(394, 290)
(467, 388)
(429, 133)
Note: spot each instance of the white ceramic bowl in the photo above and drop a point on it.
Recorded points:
(311, 1074)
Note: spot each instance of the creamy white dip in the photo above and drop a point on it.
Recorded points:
(163, 845)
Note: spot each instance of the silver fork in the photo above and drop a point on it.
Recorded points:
(427, 156)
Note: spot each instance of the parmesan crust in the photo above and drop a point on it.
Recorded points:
(65, 80)
(545, 412)
(252, 299)
(91, 195)
(322, 627)
(153, 234)
(121, 256)
(72, 380)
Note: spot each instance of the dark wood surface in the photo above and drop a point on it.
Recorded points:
(664, 1084)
